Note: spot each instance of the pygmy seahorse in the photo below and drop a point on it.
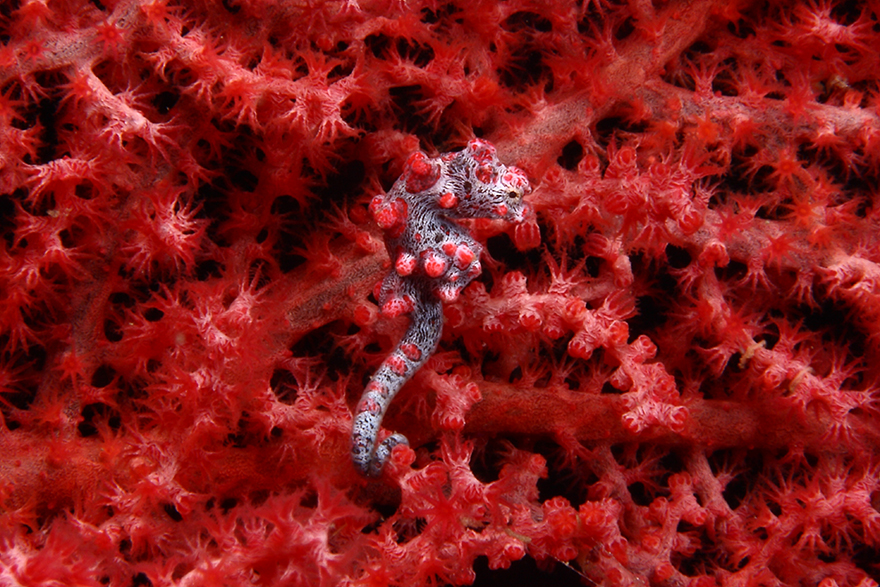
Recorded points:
(433, 259)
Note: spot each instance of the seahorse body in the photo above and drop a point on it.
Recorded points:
(434, 259)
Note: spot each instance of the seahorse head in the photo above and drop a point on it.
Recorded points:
(485, 187)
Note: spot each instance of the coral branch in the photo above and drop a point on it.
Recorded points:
(711, 424)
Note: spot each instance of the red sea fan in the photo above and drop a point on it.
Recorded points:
(666, 374)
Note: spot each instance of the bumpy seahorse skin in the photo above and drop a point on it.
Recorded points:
(433, 259)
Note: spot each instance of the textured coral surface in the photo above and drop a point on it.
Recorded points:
(668, 374)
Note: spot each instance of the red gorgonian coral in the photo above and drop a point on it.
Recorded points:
(667, 375)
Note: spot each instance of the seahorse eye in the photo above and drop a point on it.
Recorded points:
(514, 195)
